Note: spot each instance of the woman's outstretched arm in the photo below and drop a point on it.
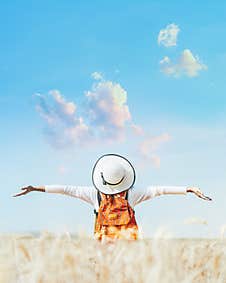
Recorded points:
(85, 193)
(150, 192)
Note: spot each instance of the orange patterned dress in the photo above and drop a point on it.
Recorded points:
(115, 218)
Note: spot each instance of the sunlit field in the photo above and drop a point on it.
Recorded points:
(65, 259)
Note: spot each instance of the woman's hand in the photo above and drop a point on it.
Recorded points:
(29, 189)
(198, 193)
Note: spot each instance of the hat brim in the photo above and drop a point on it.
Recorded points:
(126, 183)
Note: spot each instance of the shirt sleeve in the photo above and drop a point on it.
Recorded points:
(139, 195)
(87, 194)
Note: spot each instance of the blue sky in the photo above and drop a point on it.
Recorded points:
(179, 106)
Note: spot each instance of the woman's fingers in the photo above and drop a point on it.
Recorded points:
(201, 195)
(21, 193)
(205, 197)
(24, 190)
(198, 193)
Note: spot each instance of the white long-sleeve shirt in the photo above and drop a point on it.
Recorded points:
(135, 196)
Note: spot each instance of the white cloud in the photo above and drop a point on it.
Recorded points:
(195, 220)
(165, 60)
(168, 36)
(187, 64)
(97, 76)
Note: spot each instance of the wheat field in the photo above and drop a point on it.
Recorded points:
(65, 259)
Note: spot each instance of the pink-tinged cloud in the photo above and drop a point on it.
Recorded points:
(155, 159)
(137, 130)
(108, 110)
(63, 125)
(106, 116)
(62, 170)
(149, 146)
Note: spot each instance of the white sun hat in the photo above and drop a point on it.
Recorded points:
(113, 174)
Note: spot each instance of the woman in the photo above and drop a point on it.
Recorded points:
(114, 196)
